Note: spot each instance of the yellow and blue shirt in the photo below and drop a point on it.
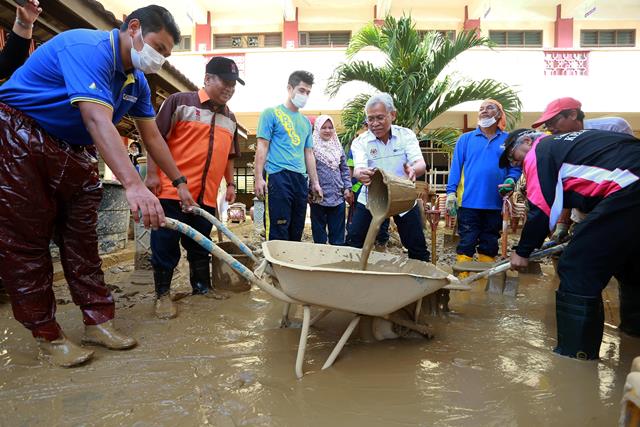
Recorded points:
(75, 66)
(288, 133)
(475, 174)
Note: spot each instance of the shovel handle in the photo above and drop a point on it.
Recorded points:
(504, 265)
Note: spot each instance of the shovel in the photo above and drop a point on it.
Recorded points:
(546, 250)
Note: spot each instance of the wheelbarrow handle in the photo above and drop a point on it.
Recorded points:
(223, 228)
(236, 265)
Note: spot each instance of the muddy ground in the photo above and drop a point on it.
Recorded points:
(227, 363)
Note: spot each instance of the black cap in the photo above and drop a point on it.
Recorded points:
(225, 68)
(508, 145)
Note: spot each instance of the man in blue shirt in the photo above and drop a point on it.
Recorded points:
(55, 112)
(474, 181)
(283, 159)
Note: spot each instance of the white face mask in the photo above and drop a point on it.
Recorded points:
(148, 60)
(299, 100)
(485, 123)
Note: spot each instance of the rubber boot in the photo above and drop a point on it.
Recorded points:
(106, 335)
(486, 258)
(580, 323)
(629, 308)
(200, 276)
(164, 307)
(64, 352)
(460, 258)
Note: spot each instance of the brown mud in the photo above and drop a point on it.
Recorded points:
(226, 363)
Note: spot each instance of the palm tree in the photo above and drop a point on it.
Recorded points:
(413, 75)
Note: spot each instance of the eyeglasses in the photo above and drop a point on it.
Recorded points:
(553, 120)
(376, 119)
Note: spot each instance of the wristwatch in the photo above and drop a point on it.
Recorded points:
(180, 180)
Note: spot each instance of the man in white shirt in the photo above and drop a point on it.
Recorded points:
(396, 150)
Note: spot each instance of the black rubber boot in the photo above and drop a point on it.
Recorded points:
(629, 308)
(580, 326)
(162, 281)
(200, 276)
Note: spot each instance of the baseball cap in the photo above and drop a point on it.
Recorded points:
(509, 143)
(555, 107)
(225, 68)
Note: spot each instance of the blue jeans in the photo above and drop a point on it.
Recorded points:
(479, 228)
(409, 228)
(165, 243)
(285, 205)
(331, 217)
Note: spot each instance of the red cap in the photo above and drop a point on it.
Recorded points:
(555, 107)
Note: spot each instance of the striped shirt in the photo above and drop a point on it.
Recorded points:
(201, 138)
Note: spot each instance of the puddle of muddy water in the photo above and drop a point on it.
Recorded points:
(226, 363)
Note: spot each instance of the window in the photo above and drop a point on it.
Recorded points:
(238, 41)
(243, 178)
(608, 38)
(184, 45)
(322, 39)
(448, 34)
(516, 38)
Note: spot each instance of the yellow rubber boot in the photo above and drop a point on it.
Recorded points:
(486, 258)
(460, 258)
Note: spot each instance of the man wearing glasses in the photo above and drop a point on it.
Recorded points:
(597, 172)
(564, 115)
(396, 150)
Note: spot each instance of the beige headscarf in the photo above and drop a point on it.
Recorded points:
(328, 152)
(502, 122)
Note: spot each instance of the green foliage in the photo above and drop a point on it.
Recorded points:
(414, 75)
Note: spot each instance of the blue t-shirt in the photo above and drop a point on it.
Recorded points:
(74, 66)
(475, 174)
(288, 134)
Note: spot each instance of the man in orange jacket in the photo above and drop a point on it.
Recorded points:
(201, 133)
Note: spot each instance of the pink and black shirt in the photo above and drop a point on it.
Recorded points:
(575, 170)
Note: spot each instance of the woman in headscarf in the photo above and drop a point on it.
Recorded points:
(328, 214)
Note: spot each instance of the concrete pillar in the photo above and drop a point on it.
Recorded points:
(203, 35)
(470, 24)
(563, 36)
(290, 33)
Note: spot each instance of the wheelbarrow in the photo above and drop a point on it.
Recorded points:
(326, 276)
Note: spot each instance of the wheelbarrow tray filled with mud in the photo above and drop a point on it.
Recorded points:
(329, 276)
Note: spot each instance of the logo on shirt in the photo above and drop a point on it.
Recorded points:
(93, 86)
(129, 98)
(374, 152)
(287, 124)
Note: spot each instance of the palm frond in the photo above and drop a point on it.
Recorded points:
(357, 71)
(443, 137)
(352, 117)
(476, 91)
(368, 36)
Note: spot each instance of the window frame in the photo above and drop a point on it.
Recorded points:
(616, 31)
(524, 44)
(244, 40)
(330, 44)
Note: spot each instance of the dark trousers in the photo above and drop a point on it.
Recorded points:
(165, 243)
(328, 217)
(285, 205)
(479, 228)
(383, 235)
(48, 185)
(409, 228)
(605, 244)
